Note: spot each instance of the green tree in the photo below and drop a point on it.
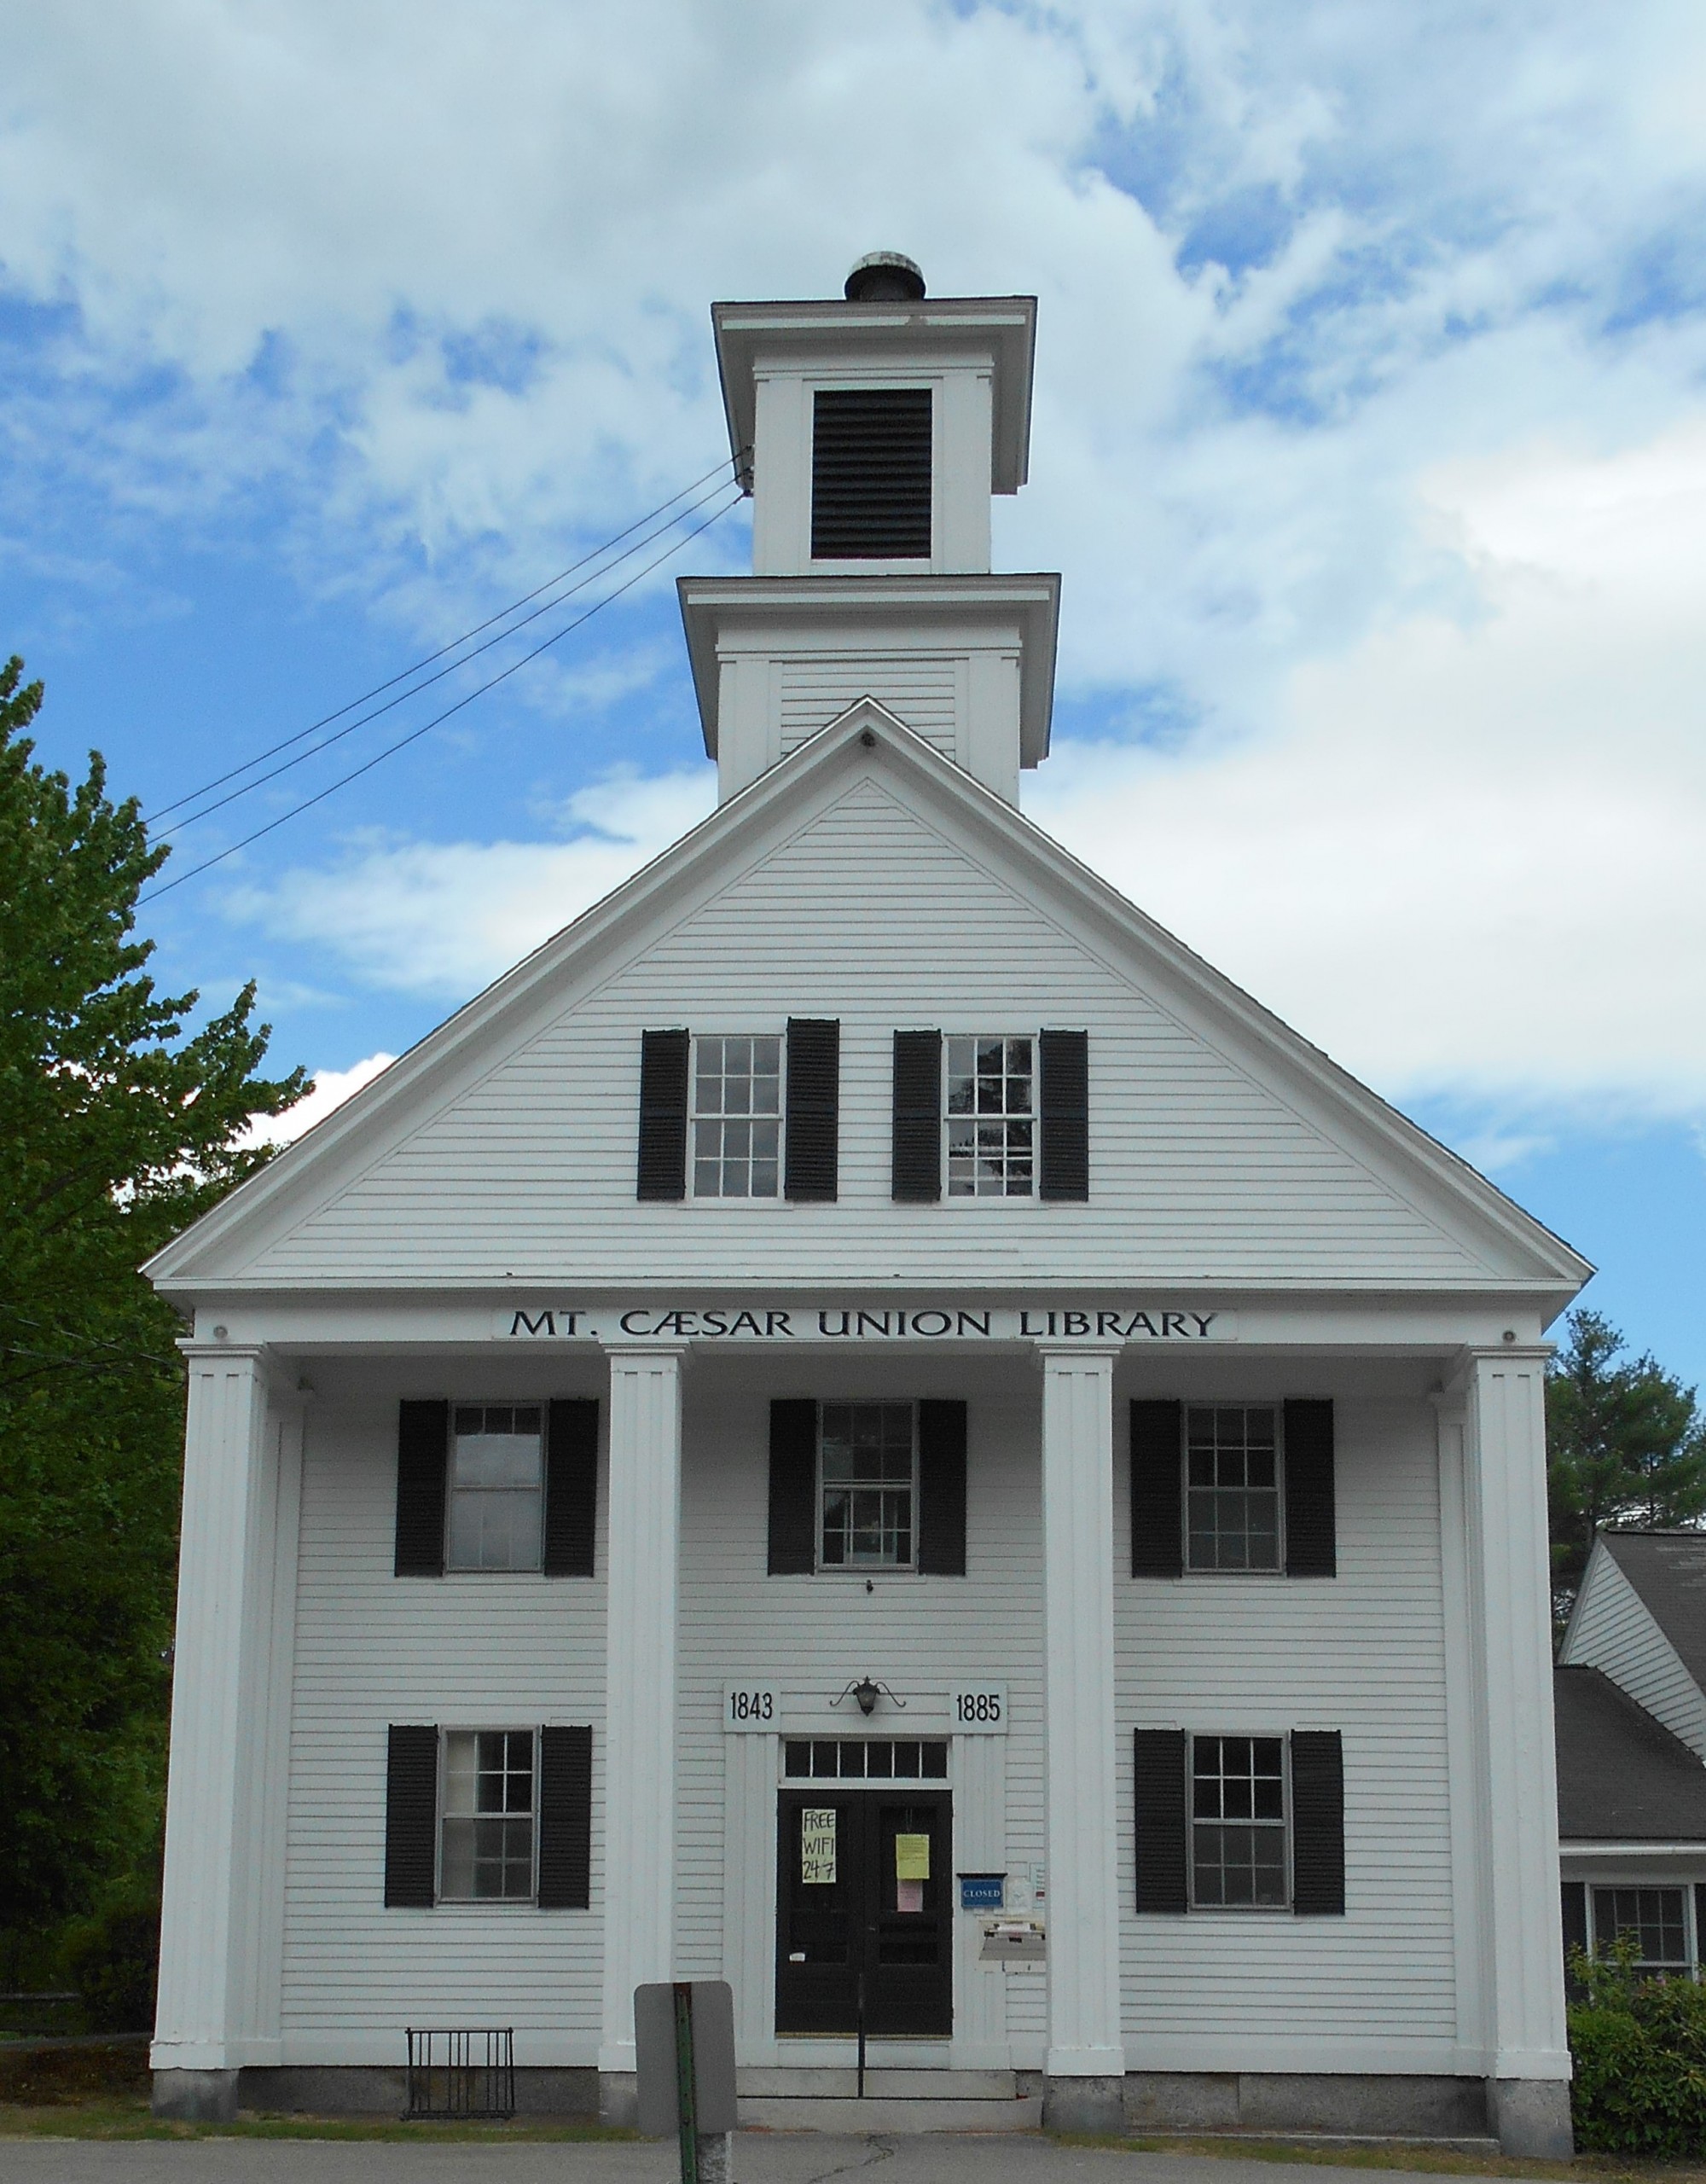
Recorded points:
(1626, 1444)
(118, 1123)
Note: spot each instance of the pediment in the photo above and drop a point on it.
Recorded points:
(868, 879)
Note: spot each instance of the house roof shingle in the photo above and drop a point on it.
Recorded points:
(1622, 1776)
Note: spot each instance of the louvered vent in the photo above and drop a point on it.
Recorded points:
(870, 474)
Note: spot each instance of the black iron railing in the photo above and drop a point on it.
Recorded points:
(461, 2074)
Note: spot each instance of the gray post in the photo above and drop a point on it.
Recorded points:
(684, 2049)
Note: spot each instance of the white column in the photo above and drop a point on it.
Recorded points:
(223, 1671)
(1510, 1588)
(1078, 1557)
(639, 1686)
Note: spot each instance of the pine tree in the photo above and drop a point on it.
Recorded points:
(1626, 1444)
(118, 1125)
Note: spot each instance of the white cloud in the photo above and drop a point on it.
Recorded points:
(1471, 856)
(330, 1089)
(443, 919)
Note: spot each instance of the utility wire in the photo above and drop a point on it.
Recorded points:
(402, 675)
(390, 704)
(415, 735)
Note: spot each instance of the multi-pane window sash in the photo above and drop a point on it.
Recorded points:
(991, 1116)
(737, 1116)
(1657, 1919)
(867, 1469)
(1237, 1823)
(1232, 1460)
(486, 1817)
(497, 1481)
(866, 1759)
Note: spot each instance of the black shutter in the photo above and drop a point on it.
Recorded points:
(1162, 1883)
(1311, 1544)
(1064, 1108)
(663, 1167)
(942, 1489)
(793, 1487)
(571, 1486)
(1317, 1823)
(814, 1107)
(423, 1442)
(918, 1117)
(565, 1820)
(1574, 1894)
(870, 474)
(411, 1817)
(1158, 1463)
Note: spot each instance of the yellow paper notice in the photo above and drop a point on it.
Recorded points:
(912, 1857)
(817, 1847)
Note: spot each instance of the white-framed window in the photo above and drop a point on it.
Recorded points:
(868, 1486)
(990, 1115)
(1659, 1918)
(486, 1808)
(865, 1759)
(737, 1114)
(1239, 1852)
(1232, 1502)
(497, 1486)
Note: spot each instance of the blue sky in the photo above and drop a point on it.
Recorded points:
(1370, 439)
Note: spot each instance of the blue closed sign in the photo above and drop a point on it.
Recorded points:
(982, 1892)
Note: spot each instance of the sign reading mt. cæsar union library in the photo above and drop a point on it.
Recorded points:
(757, 1322)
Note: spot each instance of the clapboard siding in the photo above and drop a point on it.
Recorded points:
(918, 689)
(1196, 1170)
(1363, 1655)
(469, 1652)
(1612, 1631)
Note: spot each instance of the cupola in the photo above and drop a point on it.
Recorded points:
(871, 431)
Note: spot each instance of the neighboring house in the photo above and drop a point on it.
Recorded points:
(1630, 1716)
(863, 1392)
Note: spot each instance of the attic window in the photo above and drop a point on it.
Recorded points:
(870, 474)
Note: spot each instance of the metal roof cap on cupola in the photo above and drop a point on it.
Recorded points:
(871, 431)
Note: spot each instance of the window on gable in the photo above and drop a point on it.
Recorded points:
(486, 1833)
(868, 1476)
(1237, 1823)
(497, 1487)
(1656, 1919)
(737, 1109)
(991, 1116)
(1232, 1461)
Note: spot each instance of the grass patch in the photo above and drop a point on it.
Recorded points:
(1420, 2158)
(132, 2120)
(57, 2078)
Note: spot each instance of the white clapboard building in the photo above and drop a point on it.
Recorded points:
(865, 1424)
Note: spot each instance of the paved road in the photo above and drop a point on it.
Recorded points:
(760, 2159)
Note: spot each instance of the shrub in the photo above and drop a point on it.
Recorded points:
(1639, 2049)
(114, 1960)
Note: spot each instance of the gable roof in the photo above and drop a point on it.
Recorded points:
(1668, 1569)
(866, 750)
(1622, 1777)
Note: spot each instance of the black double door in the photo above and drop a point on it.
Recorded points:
(864, 1893)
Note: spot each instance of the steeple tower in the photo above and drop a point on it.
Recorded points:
(871, 434)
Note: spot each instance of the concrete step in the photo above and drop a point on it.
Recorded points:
(1397, 2140)
(926, 2112)
(835, 2081)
